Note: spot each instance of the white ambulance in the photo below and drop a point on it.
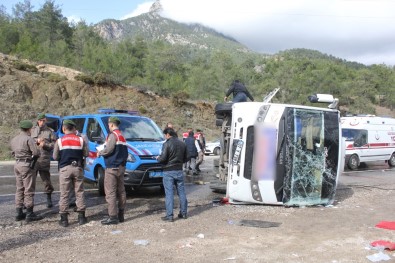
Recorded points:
(368, 138)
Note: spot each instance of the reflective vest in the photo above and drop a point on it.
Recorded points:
(120, 154)
(70, 149)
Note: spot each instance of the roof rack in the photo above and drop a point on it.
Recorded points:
(112, 111)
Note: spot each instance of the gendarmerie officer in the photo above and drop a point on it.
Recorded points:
(70, 151)
(45, 139)
(115, 155)
(25, 151)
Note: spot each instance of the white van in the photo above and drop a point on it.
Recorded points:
(368, 138)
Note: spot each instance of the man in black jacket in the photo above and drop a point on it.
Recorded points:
(173, 155)
(240, 92)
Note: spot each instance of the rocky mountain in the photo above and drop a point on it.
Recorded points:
(27, 89)
(152, 26)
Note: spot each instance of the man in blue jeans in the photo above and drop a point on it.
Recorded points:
(173, 155)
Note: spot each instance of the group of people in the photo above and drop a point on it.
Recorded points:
(32, 151)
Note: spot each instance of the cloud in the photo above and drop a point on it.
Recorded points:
(74, 19)
(141, 8)
(350, 29)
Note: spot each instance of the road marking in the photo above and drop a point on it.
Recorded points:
(362, 171)
(86, 190)
(13, 176)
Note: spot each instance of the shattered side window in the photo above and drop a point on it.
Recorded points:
(310, 177)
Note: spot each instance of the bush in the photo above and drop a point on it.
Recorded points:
(85, 78)
(179, 98)
(102, 79)
(142, 110)
(55, 77)
(25, 67)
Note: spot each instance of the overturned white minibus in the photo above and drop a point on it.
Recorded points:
(279, 153)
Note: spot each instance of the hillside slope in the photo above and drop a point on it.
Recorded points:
(24, 94)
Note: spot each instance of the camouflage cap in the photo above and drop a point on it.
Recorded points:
(69, 122)
(41, 116)
(114, 119)
(26, 124)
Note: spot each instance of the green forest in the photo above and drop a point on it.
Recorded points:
(44, 35)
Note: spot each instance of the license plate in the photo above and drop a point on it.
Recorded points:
(155, 174)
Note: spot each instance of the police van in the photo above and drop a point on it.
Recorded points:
(144, 142)
(368, 138)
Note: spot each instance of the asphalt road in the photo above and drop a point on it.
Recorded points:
(196, 188)
(373, 175)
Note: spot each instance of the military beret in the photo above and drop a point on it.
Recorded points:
(69, 122)
(114, 119)
(26, 124)
(41, 116)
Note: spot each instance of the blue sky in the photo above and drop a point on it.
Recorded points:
(355, 30)
(92, 11)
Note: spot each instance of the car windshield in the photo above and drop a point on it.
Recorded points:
(137, 128)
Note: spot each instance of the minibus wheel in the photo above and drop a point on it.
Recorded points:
(353, 162)
(391, 161)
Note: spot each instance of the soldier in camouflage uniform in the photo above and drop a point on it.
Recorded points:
(45, 139)
(25, 151)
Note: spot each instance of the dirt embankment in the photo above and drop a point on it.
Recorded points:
(24, 94)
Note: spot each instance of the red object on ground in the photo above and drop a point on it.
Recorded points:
(225, 200)
(382, 243)
(387, 225)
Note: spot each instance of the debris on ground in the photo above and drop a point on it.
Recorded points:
(257, 223)
(116, 232)
(386, 225)
(200, 236)
(378, 257)
(141, 242)
(384, 244)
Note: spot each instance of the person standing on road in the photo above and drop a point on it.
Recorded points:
(25, 152)
(193, 149)
(72, 198)
(45, 139)
(173, 155)
(70, 151)
(239, 91)
(115, 155)
(202, 146)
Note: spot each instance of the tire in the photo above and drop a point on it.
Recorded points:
(391, 161)
(223, 109)
(353, 162)
(218, 122)
(100, 180)
(216, 151)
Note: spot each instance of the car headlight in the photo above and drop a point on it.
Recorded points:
(131, 158)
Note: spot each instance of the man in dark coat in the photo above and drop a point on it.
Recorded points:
(239, 91)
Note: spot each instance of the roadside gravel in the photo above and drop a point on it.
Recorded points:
(338, 233)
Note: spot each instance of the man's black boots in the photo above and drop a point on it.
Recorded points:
(112, 220)
(64, 220)
(81, 218)
(19, 214)
(121, 215)
(49, 200)
(31, 216)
